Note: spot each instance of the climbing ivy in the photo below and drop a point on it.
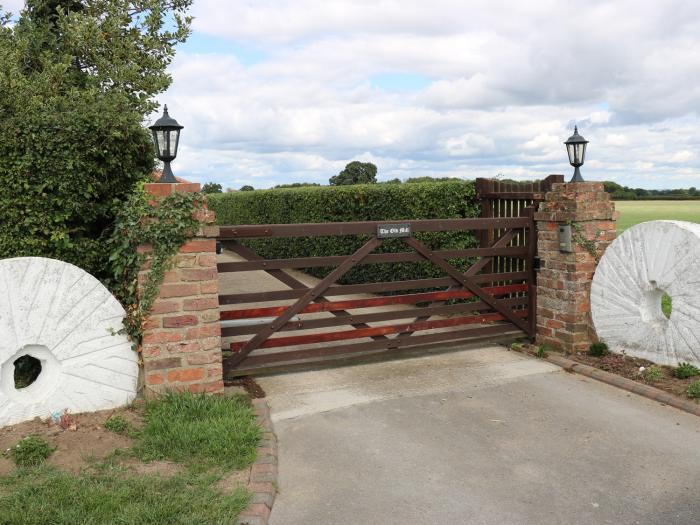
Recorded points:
(578, 236)
(164, 224)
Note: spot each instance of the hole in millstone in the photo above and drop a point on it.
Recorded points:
(27, 369)
(666, 305)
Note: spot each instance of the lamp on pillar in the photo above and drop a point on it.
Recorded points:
(166, 137)
(576, 148)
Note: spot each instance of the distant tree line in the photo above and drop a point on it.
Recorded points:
(357, 172)
(618, 192)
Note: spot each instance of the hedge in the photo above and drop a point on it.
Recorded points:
(366, 202)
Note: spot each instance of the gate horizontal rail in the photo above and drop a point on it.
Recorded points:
(347, 289)
(349, 304)
(254, 363)
(327, 322)
(364, 227)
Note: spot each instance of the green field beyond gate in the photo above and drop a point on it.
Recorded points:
(634, 212)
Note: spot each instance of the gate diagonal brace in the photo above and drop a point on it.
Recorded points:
(502, 241)
(466, 281)
(264, 334)
(287, 279)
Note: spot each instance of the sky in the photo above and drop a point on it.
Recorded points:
(274, 92)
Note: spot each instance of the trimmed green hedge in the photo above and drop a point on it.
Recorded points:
(365, 202)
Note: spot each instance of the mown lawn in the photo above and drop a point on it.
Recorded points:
(206, 438)
(634, 212)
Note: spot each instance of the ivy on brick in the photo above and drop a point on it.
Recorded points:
(161, 226)
(579, 237)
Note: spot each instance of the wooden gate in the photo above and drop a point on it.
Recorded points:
(318, 321)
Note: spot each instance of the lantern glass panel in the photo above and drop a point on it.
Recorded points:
(576, 152)
(173, 141)
(161, 145)
(582, 152)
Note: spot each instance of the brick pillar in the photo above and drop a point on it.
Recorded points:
(564, 279)
(181, 345)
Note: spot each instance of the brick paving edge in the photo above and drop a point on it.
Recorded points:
(262, 475)
(649, 392)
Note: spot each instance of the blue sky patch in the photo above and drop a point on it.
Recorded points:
(400, 81)
(199, 43)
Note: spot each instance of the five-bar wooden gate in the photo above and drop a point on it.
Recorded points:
(305, 323)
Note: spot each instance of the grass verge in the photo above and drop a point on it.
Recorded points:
(46, 495)
(634, 212)
(198, 430)
(210, 436)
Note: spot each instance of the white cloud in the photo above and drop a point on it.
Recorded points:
(505, 84)
(13, 6)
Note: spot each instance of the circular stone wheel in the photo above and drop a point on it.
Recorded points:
(67, 320)
(644, 263)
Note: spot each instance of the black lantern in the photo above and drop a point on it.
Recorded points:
(576, 148)
(166, 136)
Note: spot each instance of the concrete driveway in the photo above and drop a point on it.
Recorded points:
(483, 436)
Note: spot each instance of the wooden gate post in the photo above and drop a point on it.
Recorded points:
(181, 346)
(564, 280)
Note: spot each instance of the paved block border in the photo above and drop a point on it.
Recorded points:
(262, 475)
(649, 392)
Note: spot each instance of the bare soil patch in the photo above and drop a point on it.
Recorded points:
(629, 368)
(84, 439)
(248, 384)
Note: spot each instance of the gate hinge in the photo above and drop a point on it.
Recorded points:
(536, 263)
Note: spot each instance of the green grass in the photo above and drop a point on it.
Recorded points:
(30, 451)
(666, 305)
(653, 374)
(598, 349)
(694, 390)
(45, 495)
(634, 212)
(118, 425)
(686, 370)
(199, 430)
(209, 435)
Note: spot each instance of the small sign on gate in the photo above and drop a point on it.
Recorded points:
(389, 231)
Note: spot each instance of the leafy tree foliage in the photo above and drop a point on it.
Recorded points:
(212, 187)
(355, 173)
(247, 188)
(297, 185)
(432, 179)
(77, 79)
(619, 192)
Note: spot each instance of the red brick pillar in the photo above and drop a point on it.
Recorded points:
(181, 346)
(564, 279)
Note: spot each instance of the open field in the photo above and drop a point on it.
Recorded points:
(634, 212)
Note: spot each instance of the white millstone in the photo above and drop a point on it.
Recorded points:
(646, 261)
(65, 318)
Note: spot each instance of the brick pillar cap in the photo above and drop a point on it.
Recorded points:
(159, 189)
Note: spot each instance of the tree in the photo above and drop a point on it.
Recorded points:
(212, 187)
(77, 80)
(247, 188)
(297, 185)
(355, 173)
(414, 180)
